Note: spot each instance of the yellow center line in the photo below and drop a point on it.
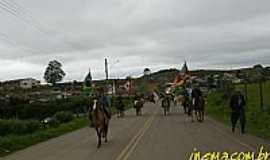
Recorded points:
(128, 150)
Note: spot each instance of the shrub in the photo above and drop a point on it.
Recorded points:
(18, 127)
(64, 117)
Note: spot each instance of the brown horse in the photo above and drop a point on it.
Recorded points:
(198, 107)
(100, 121)
(138, 105)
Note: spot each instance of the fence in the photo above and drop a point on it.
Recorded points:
(257, 94)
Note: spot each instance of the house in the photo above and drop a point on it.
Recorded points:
(147, 72)
(26, 83)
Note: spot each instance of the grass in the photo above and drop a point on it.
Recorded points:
(12, 143)
(258, 119)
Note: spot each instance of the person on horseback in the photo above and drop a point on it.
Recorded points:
(137, 97)
(102, 98)
(166, 103)
(186, 100)
(189, 98)
(119, 103)
(196, 94)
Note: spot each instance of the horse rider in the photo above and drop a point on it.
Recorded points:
(103, 100)
(166, 100)
(119, 103)
(136, 97)
(237, 105)
(196, 94)
(189, 98)
(186, 100)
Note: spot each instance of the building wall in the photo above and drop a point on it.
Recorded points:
(28, 83)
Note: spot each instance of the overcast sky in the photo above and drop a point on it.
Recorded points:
(157, 34)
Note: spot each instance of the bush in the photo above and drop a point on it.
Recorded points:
(18, 127)
(41, 110)
(64, 117)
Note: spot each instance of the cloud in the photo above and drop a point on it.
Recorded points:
(156, 34)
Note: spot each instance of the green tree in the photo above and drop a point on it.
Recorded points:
(54, 72)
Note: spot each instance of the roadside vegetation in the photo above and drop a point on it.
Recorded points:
(258, 119)
(24, 125)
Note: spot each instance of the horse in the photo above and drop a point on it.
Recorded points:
(120, 107)
(197, 107)
(180, 100)
(151, 98)
(100, 121)
(186, 104)
(138, 105)
(120, 113)
(166, 105)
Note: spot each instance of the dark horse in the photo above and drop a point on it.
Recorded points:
(151, 98)
(100, 121)
(166, 103)
(119, 104)
(199, 106)
(138, 105)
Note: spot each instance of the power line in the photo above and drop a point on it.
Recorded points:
(13, 43)
(18, 11)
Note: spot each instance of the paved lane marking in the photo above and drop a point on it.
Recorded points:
(126, 152)
(131, 150)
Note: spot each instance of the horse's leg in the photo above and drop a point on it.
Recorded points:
(99, 138)
(198, 114)
(106, 126)
(192, 115)
(202, 115)
(164, 111)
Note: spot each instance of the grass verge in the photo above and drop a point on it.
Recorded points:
(12, 143)
(257, 120)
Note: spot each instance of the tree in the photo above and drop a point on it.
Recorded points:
(54, 72)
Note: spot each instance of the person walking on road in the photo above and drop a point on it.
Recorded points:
(237, 105)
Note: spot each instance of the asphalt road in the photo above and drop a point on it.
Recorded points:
(151, 136)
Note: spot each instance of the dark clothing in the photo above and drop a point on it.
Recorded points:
(105, 104)
(137, 98)
(166, 102)
(196, 95)
(235, 117)
(119, 104)
(237, 105)
(104, 101)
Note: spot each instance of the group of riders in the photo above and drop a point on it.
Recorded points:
(189, 96)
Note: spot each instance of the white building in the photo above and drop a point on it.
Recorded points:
(29, 83)
(26, 83)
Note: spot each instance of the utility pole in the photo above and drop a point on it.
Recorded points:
(106, 69)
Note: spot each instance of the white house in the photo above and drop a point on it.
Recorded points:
(28, 83)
